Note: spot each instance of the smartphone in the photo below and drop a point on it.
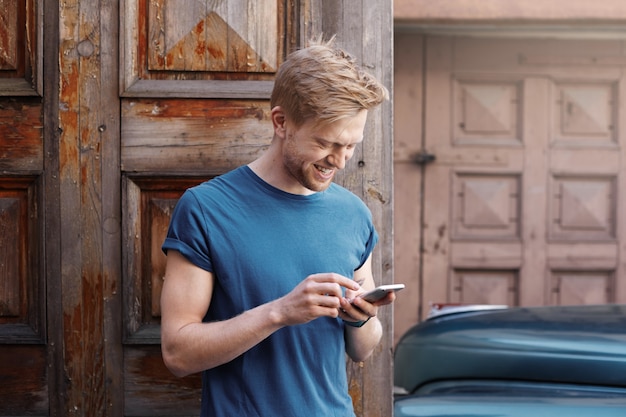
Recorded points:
(379, 292)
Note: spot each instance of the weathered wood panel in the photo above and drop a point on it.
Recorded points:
(21, 138)
(208, 136)
(148, 203)
(23, 377)
(21, 283)
(234, 36)
(12, 260)
(19, 45)
(89, 210)
(10, 41)
(239, 40)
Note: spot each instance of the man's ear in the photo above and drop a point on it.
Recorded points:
(278, 120)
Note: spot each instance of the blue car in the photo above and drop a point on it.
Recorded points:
(493, 361)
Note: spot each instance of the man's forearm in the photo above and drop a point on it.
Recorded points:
(361, 341)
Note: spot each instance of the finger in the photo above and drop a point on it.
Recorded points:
(360, 305)
(327, 300)
(358, 312)
(345, 282)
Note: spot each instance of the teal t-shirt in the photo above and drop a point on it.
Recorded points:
(260, 242)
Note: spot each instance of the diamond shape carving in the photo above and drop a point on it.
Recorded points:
(584, 205)
(586, 109)
(585, 113)
(486, 206)
(583, 208)
(487, 111)
(202, 35)
(487, 108)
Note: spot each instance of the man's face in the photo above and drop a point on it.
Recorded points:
(313, 154)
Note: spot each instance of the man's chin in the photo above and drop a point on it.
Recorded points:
(318, 186)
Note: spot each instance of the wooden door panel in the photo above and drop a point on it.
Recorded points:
(226, 45)
(233, 36)
(21, 138)
(148, 205)
(22, 311)
(24, 374)
(150, 389)
(582, 287)
(583, 208)
(484, 287)
(485, 206)
(20, 42)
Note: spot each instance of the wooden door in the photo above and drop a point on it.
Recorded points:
(24, 381)
(140, 100)
(523, 204)
(194, 105)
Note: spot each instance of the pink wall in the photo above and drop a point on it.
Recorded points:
(406, 11)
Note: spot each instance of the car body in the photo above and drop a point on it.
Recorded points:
(557, 361)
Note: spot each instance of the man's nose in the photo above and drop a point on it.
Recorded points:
(338, 158)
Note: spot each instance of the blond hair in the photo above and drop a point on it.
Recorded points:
(324, 83)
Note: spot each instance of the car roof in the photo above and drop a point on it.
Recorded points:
(569, 344)
(516, 406)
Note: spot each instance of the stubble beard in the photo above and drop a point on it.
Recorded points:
(295, 167)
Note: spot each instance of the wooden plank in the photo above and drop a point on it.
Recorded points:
(192, 135)
(81, 119)
(407, 206)
(108, 128)
(49, 52)
(536, 172)
(156, 47)
(620, 270)
(209, 89)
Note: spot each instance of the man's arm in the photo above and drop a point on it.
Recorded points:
(361, 341)
(189, 345)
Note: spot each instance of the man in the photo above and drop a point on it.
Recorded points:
(265, 263)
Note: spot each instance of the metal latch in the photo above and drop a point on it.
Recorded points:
(423, 158)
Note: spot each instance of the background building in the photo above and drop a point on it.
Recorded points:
(509, 153)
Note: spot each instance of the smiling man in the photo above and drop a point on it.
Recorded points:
(264, 262)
